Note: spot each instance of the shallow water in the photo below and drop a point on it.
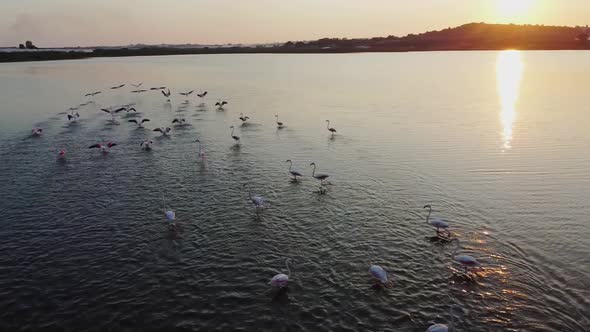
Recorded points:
(496, 142)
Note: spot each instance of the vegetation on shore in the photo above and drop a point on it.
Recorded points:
(472, 36)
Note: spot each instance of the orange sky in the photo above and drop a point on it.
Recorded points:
(118, 22)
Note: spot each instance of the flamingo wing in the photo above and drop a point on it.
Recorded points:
(95, 146)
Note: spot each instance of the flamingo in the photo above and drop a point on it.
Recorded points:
(236, 138)
(113, 113)
(279, 124)
(103, 147)
(437, 222)
(186, 94)
(179, 121)
(244, 118)
(256, 200)
(117, 87)
(137, 85)
(171, 216)
(92, 94)
(61, 154)
(332, 130)
(465, 260)
(163, 130)
(295, 174)
(146, 145)
(36, 132)
(138, 122)
(220, 104)
(202, 94)
(379, 276)
(281, 280)
(138, 91)
(201, 151)
(128, 108)
(166, 94)
(320, 177)
(73, 116)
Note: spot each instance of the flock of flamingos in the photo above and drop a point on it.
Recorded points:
(280, 280)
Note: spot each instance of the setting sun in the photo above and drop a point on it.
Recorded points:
(514, 9)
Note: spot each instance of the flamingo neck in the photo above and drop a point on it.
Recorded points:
(328, 124)
(290, 166)
(313, 173)
(287, 265)
(428, 216)
(232, 132)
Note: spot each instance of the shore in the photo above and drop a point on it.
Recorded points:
(42, 55)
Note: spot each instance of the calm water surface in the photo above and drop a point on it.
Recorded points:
(497, 142)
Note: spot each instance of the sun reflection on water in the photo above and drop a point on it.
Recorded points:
(509, 68)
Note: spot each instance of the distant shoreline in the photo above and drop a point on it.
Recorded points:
(467, 37)
(40, 55)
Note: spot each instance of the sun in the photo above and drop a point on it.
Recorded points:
(514, 10)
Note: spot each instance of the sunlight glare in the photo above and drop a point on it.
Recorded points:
(509, 68)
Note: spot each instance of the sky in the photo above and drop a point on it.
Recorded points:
(62, 23)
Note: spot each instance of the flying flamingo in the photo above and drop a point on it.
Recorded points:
(279, 124)
(166, 94)
(36, 132)
(256, 200)
(137, 85)
(146, 145)
(117, 87)
(295, 174)
(236, 138)
(103, 147)
(332, 130)
(244, 118)
(379, 276)
(281, 280)
(92, 94)
(163, 131)
(179, 121)
(186, 94)
(73, 116)
(202, 94)
(61, 154)
(201, 151)
(113, 113)
(437, 222)
(220, 104)
(465, 260)
(138, 122)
